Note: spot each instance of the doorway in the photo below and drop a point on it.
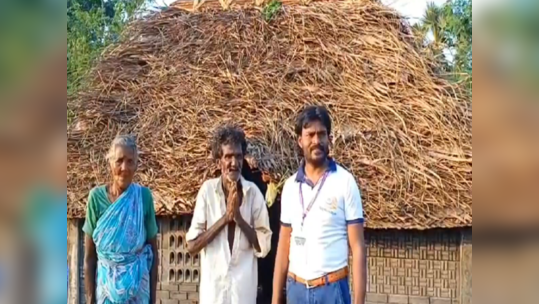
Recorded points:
(267, 264)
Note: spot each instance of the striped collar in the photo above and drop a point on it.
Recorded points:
(301, 177)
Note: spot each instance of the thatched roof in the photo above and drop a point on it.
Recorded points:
(403, 132)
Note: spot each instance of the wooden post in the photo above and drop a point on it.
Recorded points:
(466, 267)
(73, 256)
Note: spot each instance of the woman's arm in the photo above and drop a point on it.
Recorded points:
(151, 239)
(153, 271)
(90, 264)
(90, 253)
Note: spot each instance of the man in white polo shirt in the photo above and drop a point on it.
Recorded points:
(321, 218)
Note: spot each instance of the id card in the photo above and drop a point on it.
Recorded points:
(299, 239)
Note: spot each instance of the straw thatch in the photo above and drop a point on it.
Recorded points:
(404, 133)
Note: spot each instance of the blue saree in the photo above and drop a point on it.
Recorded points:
(124, 258)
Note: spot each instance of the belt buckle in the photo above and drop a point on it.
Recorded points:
(308, 286)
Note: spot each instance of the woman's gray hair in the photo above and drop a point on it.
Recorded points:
(126, 141)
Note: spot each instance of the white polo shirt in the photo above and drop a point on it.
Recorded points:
(325, 227)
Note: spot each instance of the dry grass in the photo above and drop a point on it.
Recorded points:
(404, 133)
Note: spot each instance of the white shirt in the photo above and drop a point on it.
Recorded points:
(325, 227)
(230, 278)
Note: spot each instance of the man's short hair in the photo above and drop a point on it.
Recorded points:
(311, 114)
(227, 135)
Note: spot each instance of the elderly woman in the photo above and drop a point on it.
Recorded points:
(120, 227)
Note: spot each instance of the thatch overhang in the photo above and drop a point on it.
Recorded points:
(403, 131)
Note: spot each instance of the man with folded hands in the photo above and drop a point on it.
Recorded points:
(230, 226)
(321, 218)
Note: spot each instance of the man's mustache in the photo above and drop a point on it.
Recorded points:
(319, 147)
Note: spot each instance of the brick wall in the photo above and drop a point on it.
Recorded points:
(411, 267)
(179, 272)
(407, 267)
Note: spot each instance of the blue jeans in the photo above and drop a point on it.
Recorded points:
(333, 293)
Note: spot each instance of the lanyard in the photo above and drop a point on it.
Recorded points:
(306, 211)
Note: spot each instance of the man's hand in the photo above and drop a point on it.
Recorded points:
(237, 216)
(230, 210)
(231, 201)
(236, 201)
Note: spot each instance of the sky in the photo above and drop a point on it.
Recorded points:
(411, 9)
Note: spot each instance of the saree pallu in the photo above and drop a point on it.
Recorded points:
(124, 258)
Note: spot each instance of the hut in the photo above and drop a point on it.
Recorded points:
(401, 129)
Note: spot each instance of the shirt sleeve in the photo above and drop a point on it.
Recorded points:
(261, 224)
(150, 220)
(91, 214)
(286, 219)
(353, 206)
(198, 222)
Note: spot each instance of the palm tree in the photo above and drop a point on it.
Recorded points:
(420, 32)
(434, 22)
(448, 27)
(433, 28)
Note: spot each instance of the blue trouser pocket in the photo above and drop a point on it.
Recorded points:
(295, 292)
(342, 288)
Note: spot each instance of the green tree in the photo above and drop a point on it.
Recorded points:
(451, 28)
(458, 32)
(420, 32)
(93, 25)
(434, 22)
